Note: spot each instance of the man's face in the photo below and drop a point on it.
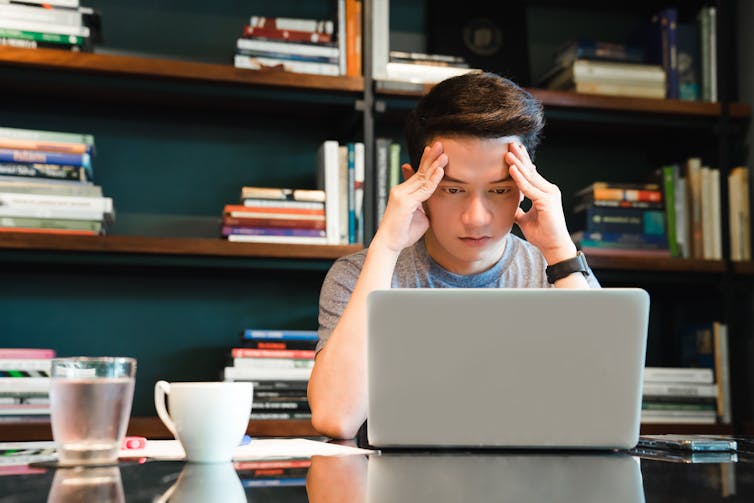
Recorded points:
(472, 211)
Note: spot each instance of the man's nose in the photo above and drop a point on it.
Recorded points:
(476, 212)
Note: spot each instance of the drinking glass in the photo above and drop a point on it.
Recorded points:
(90, 403)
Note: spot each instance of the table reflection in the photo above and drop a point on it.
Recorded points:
(202, 482)
(446, 477)
(79, 484)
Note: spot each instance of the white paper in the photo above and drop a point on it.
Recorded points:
(258, 448)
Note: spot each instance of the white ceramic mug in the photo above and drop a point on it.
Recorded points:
(208, 418)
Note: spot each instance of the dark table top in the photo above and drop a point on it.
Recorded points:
(392, 477)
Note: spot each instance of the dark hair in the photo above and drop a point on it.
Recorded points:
(475, 104)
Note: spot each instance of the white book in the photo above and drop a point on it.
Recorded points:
(678, 375)
(40, 186)
(617, 89)
(342, 53)
(43, 364)
(327, 180)
(253, 44)
(297, 240)
(679, 389)
(24, 384)
(22, 200)
(275, 203)
(17, 24)
(707, 214)
(293, 24)
(657, 417)
(734, 215)
(380, 38)
(717, 224)
(343, 193)
(259, 63)
(66, 17)
(245, 373)
(274, 363)
(633, 73)
(418, 73)
(273, 216)
(52, 3)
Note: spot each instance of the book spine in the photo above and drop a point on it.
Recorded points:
(283, 344)
(254, 202)
(50, 171)
(25, 364)
(63, 17)
(359, 173)
(351, 180)
(382, 146)
(271, 231)
(33, 201)
(273, 363)
(327, 176)
(678, 375)
(268, 46)
(277, 223)
(614, 194)
(285, 56)
(49, 146)
(280, 335)
(293, 24)
(276, 195)
(297, 240)
(89, 226)
(287, 35)
(624, 220)
(35, 156)
(243, 373)
(668, 179)
(679, 389)
(26, 353)
(54, 136)
(271, 211)
(52, 189)
(259, 63)
(272, 353)
(60, 29)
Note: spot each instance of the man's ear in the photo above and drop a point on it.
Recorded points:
(407, 171)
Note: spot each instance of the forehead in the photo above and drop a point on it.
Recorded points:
(476, 159)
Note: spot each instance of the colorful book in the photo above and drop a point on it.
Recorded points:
(279, 335)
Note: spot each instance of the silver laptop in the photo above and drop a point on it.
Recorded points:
(518, 368)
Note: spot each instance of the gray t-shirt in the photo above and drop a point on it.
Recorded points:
(522, 265)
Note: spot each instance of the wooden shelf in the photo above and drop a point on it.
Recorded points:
(206, 247)
(153, 428)
(573, 100)
(744, 268)
(107, 64)
(598, 261)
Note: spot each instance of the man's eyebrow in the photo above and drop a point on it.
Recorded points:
(447, 178)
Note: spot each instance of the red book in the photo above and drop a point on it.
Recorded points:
(291, 223)
(239, 210)
(25, 353)
(286, 35)
(272, 353)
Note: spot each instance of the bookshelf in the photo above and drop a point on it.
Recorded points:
(231, 126)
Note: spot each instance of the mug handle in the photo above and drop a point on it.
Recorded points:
(161, 390)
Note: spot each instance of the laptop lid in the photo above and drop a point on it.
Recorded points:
(521, 368)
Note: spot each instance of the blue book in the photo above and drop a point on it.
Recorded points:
(663, 47)
(41, 157)
(291, 335)
(351, 192)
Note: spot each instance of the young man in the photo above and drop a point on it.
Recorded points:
(447, 225)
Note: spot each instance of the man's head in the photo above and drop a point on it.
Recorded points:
(475, 105)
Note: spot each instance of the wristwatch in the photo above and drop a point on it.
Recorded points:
(567, 267)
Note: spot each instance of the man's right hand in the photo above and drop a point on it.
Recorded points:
(404, 221)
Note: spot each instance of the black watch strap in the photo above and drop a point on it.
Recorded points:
(567, 267)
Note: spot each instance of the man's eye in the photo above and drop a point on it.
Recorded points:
(453, 190)
(501, 190)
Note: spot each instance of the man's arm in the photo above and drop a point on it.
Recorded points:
(544, 224)
(337, 387)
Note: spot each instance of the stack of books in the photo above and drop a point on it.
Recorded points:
(596, 67)
(679, 395)
(289, 44)
(620, 219)
(424, 68)
(279, 363)
(276, 215)
(25, 384)
(340, 173)
(53, 24)
(46, 184)
(693, 210)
